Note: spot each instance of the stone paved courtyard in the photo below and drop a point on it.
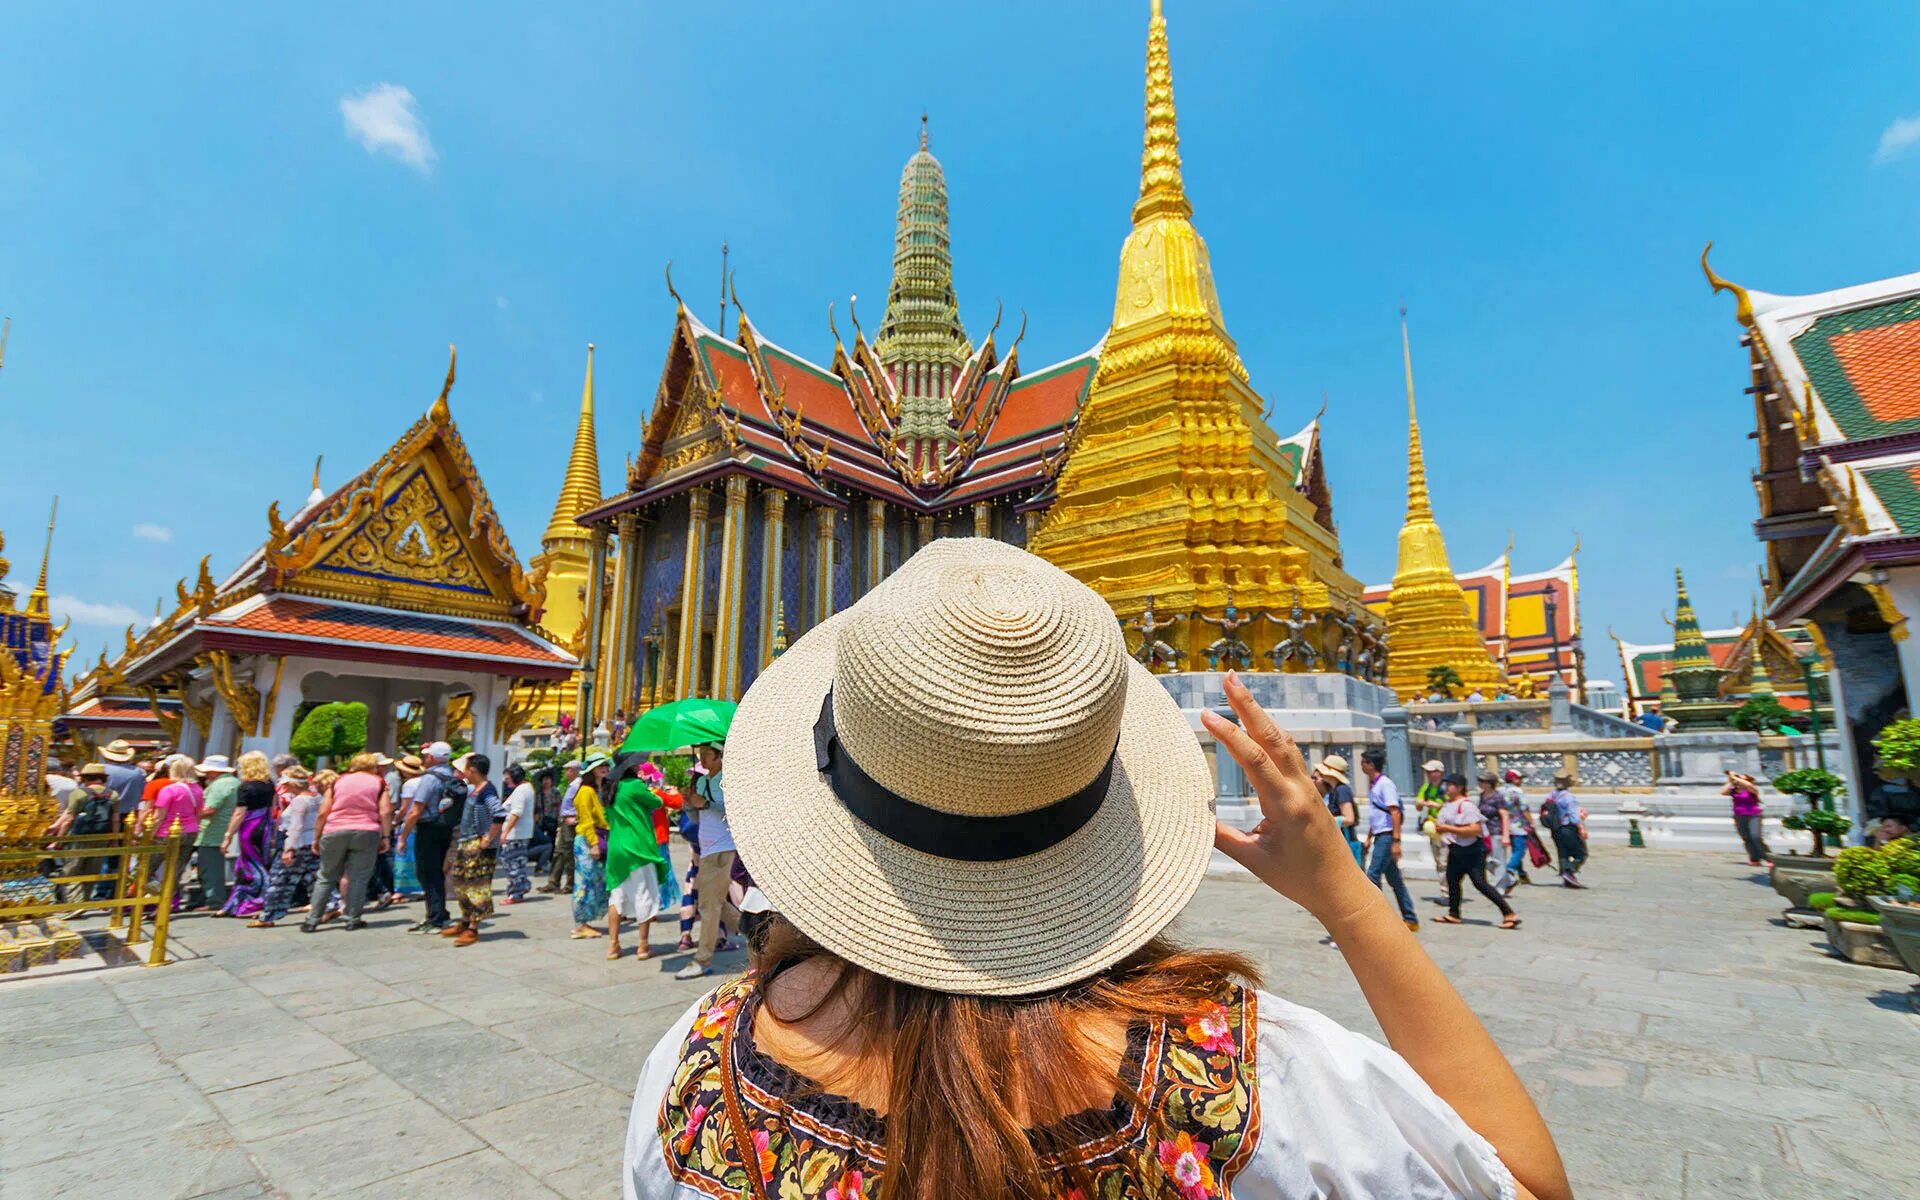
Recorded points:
(1681, 1041)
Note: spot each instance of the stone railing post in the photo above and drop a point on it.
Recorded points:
(1399, 748)
(1560, 696)
(1464, 732)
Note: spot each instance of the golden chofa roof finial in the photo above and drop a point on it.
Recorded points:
(1743, 303)
(1162, 192)
(440, 414)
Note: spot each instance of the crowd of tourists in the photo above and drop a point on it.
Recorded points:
(1466, 832)
(270, 838)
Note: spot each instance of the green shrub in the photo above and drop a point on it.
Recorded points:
(1816, 785)
(1762, 714)
(1823, 900)
(1818, 820)
(1906, 887)
(317, 736)
(1903, 856)
(1861, 871)
(1898, 745)
(1859, 916)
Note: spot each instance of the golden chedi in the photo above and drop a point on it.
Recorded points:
(563, 568)
(1428, 623)
(1175, 488)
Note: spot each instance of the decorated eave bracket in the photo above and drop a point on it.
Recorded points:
(787, 417)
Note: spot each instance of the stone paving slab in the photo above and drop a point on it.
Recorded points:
(1682, 1042)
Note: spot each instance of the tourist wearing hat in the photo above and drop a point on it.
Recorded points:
(250, 836)
(222, 787)
(1517, 836)
(1331, 778)
(974, 817)
(125, 780)
(1569, 829)
(590, 846)
(406, 881)
(1427, 800)
(298, 864)
(1748, 816)
(439, 803)
(713, 903)
(560, 870)
(87, 811)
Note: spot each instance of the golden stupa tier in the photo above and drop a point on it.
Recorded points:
(1429, 624)
(1175, 489)
(30, 697)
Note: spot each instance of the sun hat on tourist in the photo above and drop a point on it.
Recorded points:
(436, 752)
(1563, 779)
(599, 758)
(963, 781)
(409, 765)
(93, 770)
(119, 750)
(214, 764)
(1334, 767)
(1514, 776)
(1433, 764)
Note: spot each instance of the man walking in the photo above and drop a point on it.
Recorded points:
(560, 871)
(438, 805)
(716, 863)
(124, 780)
(517, 834)
(1427, 803)
(1569, 830)
(1384, 820)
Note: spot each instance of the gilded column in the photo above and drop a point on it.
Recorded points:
(584, 703)
(982, 520)
(876, 543)
(1033, 523)
(822, 563)
(773, 544)
(924, 525)
(627, 608)
(686, 664)
(732, 583)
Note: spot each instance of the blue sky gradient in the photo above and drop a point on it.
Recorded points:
(212, 281)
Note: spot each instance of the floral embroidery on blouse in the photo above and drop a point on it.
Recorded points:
(1197, 1073)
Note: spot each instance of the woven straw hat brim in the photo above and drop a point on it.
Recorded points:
(982, 928)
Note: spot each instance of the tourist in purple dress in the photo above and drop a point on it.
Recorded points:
(250, 835)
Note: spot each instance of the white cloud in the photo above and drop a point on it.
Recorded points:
(1899, 137)
(385, 118)
(85, 612)
(152, 533)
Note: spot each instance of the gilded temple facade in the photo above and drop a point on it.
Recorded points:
(398, 590)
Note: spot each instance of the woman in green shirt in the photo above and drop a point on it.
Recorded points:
(634, 861)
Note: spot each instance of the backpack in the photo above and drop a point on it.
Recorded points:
(1550, 814)
(95, 814)
(453, 793)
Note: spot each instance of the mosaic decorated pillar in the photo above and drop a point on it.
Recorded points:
(686, 665)
(635, 572)
(876, 543)
(773, 524)
(584, 703)
(732, 585)
(822, 563)
(626, 581)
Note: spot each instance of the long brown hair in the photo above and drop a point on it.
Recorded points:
(967, 1077)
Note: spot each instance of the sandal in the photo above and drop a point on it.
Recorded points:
(586, 932)
(258, 924)
(1510, 923)
(1448, 920)
(613, 952)
(642, 955)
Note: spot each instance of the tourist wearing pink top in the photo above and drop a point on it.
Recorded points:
(177, 807)
(355, 802)
(352, 829)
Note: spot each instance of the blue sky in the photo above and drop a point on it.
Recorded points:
(212, 279)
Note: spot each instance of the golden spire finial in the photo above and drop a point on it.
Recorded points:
(1419, 504)
(316, 471)
(923, 129)
(440, 413)
(1162, 193)
(580, 489)
(37, 601)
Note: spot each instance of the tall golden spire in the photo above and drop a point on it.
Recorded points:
(1428, 622)
(1162, 193)
(37, 601)
(580, 490)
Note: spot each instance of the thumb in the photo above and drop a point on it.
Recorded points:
(1236, 844)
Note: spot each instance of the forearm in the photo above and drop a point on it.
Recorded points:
(1412, 1000)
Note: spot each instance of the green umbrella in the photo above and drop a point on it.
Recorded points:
(687, 722)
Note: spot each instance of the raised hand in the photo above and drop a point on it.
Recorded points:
(1296, 849)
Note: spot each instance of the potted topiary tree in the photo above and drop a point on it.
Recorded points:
(1896, 750)
(1898, 903)
(1795, 876)
(1853, 929)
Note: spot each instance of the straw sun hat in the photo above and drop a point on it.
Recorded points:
(964, 783)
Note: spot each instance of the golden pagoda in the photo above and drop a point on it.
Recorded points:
(563, 569)
(1175, 490)
(1428, 622)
